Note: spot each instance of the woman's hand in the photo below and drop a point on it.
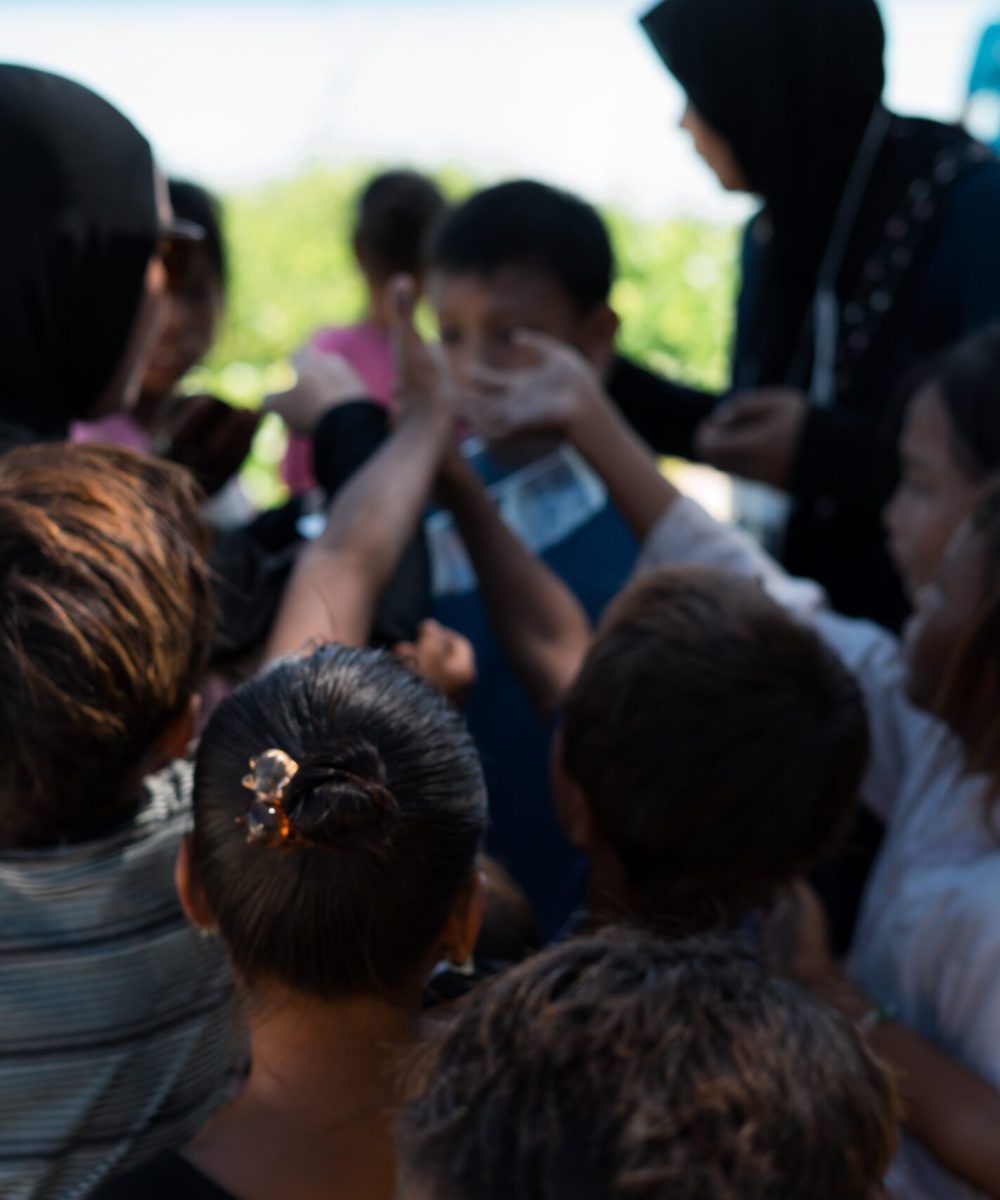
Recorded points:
(755, 435)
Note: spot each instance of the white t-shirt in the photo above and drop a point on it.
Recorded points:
(928, 935)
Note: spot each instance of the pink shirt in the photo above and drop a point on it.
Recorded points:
(368, 349)
(120, 429)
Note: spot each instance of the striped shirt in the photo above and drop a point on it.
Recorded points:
(117, 1033)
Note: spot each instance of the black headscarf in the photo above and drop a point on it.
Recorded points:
(78, 225)
(791, 85)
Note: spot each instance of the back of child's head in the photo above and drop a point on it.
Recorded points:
(104, 631)
(385, 813)
(396, 212)
(191, 202)
(717, 743)
(532, 225)
(622, 1065)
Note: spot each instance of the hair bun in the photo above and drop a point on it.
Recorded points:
(338, 799)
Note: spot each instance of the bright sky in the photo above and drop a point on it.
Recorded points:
(236, 91)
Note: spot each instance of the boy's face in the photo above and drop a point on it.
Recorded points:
(478, 316)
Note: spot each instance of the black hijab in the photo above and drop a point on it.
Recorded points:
(792, 86)
(78, 225)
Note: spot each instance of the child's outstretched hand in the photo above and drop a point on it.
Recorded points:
(323, 381)
(422, 383)
(553, 394)
(443, 657)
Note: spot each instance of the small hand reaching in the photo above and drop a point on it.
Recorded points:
(422, 383)
(442, 657)
(323, 381)
(550, 396)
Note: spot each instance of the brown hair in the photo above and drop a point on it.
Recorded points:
(621, 1065)
(718, 743)
(104, 630)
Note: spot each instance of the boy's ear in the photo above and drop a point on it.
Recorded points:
(596, 340)
(189, 890)
(461, 930)
(572, 810)
(179, 734)
(579, 825)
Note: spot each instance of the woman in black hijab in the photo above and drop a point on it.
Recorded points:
(81, 283)
(878, 243)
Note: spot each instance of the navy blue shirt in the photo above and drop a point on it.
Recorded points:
(587, 544)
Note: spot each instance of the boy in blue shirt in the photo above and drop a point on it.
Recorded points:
(525, 256)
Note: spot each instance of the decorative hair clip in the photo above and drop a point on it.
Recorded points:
(266, 821)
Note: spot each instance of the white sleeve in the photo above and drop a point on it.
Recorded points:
(957, 970)
(900, 734)
(686, 534)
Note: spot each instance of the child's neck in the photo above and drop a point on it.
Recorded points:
(379, 306)
(314, 1114)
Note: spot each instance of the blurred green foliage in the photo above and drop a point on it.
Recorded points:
(292, 271)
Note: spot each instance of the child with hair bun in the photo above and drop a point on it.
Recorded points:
(339, 807)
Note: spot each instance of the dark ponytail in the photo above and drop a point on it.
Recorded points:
(383, 808)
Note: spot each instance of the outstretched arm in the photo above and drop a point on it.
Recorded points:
(339, 577)
(537, 619)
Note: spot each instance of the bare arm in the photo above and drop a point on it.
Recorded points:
(334, 588)
(951, 1110)
(335, 585)
(537, 619)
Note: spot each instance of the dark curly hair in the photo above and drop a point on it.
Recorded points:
(625, 1067)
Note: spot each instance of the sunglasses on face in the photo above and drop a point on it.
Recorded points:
(178, 251)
